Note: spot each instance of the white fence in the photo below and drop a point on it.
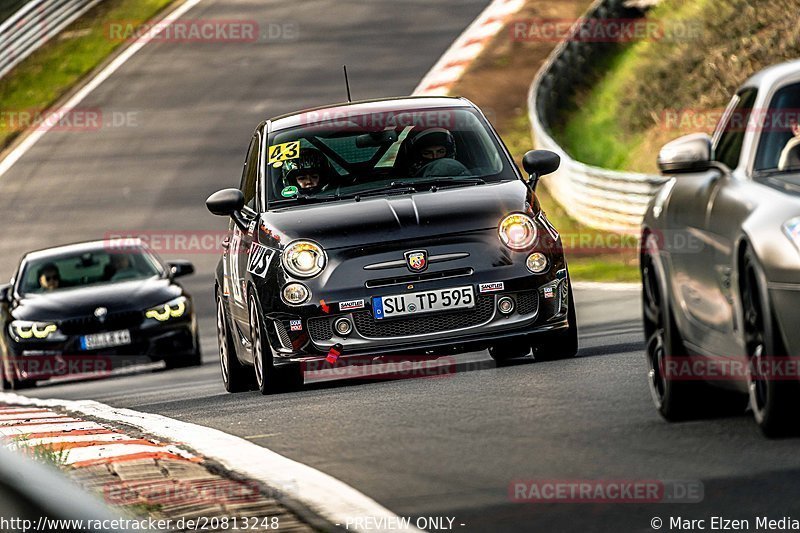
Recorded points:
(597, 197)
(33, 25)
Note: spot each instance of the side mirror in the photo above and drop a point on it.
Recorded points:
(225, 202)
(179, 269)
(5, 293)
(538, 163)
(690, 153)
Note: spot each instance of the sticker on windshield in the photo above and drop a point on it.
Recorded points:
(258, 263)
(279, 153)
(289, 191)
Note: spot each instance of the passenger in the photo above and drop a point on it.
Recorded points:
(49, 277)
(433, 153)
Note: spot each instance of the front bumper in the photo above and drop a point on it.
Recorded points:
(540, 305)
(786, 306)
(40, 360)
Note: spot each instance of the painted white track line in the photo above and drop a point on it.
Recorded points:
(321, 493)
(51, 119)
(450, 67)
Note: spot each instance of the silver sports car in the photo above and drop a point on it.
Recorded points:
(720, 261)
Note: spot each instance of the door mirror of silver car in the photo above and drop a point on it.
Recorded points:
(690, 153)
(538, 163)
(5, 293)
(179, 269)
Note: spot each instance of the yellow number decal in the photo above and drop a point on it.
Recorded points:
(284, 152)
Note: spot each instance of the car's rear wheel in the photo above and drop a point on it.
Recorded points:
(561, 344)
(235, 376)
(270, 379)
(773, 398)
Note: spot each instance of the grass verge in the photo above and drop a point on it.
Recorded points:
(50, 72)
(498, 82)
(41, 453)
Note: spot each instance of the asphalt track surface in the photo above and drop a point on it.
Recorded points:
(449, 446)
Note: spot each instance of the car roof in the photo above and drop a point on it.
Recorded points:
(406, 103)
(81, 247)
(779, 74)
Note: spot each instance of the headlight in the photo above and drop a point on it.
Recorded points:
(536, 262)
(303, 259)
(24, 330)
(517, 231)
(792, 230)
(172, 309)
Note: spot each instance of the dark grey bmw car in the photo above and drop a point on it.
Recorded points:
(398, 226)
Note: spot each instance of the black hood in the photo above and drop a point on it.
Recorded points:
(376, 219)
(79, 302)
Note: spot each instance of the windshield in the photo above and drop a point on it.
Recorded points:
(779, 146)
(58, 272)
(350, 154)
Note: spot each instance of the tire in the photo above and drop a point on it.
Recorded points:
(269, 378)
(195, 359)
(508, 351)
(560, 344)
(773, 401)
(5, 383)
(683, 398)
(235, 376)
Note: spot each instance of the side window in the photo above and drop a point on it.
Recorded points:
(250, 175)
(730, 139)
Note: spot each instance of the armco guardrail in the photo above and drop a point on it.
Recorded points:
(33, 25)
(598, 197)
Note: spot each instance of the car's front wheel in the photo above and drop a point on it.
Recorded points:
(773, 399)
(270, 379)
(235, 376)
(561, 344)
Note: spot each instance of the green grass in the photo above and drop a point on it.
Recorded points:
(45, 76)
(620, 264)
(618, 122)
(41, 453)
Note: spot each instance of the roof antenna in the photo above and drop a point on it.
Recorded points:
(347, 83)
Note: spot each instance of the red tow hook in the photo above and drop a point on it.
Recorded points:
(334, 353)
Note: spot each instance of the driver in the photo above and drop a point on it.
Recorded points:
(433, 152)
(49, 277)
(790, 155)
(311, 172)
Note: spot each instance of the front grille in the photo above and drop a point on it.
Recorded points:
(415, 278)
(90, 324)
(527, 302)
(429, 323)
(320, 329)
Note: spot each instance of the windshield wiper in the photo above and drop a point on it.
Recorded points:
(304, 199)
(398, 187)
(442, 182)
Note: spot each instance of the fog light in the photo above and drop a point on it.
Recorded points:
(295, 294)
(536, 262)
(343, 326)
(505, 305)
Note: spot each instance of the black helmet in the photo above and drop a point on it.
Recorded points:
(426, 139)
(311, 161)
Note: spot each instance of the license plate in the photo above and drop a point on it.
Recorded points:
(106, 340)
(423, 302)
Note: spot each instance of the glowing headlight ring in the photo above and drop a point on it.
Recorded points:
(294, 249)
(518, 222)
